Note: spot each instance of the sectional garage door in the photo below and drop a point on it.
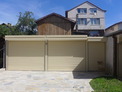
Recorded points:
(59, 55)
(24, 55)
(66, 55)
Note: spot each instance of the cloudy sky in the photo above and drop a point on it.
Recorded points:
(9, 9)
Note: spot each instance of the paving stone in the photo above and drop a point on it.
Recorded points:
(53, 90)
(36, 81)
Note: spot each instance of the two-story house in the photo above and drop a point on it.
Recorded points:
(90, 19)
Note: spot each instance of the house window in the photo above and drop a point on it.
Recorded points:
(82, 21)
(93, 10)
(95, 21)
(82, 10)
(94, 33)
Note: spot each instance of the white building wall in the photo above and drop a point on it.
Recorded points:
(100, 14)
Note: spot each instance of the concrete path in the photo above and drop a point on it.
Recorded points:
(36, 81)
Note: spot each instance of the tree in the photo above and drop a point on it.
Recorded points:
(26, 23)
(4, 30)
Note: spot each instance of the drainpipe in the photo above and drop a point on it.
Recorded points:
(115, 56)
(76, 22)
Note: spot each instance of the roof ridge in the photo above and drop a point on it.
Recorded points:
(89, 3)
(55, 15)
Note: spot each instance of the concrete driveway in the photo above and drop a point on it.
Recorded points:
(36, 81)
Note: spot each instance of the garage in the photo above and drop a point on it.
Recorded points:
(66, 56)
(55, 53)
(25, 55)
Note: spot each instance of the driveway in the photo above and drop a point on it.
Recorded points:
(37, 81)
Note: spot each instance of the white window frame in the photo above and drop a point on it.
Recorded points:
(95, 21)
(93, 10)
(82, 10)
(82, 21)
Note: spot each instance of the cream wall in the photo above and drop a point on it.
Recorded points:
(96, 56)
(109, 55)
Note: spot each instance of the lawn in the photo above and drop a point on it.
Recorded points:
(106, 84)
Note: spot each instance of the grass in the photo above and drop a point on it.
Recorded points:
(106, 84)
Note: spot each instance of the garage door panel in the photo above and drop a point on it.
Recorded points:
(66, 56)
(66, 67)
(26, 56)
(26, 49)
(25, 63)
(63, 46)
(65, 60)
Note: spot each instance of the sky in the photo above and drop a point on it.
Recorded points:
(9, 9)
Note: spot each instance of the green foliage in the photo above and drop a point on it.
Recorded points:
(26, 23)
(8, 30)
(106, 84)
(25, 26)
(5, 30)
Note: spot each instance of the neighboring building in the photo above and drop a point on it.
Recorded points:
(55, 24)
(8, 24)
(89, 17)
(114, 49)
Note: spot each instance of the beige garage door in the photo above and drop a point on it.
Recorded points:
(66, 56)
(25, 55)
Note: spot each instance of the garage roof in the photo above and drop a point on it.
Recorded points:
(54, 38)
(114, 29)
